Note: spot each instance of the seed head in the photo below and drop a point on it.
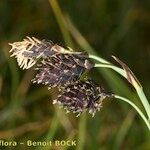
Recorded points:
(61, 69)
(30, 50)
(81, 96)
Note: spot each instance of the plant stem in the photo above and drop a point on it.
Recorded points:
(99, 59)
(117, 69)
(61, 21)
(144, 101)
(136, 108)
(122, 72)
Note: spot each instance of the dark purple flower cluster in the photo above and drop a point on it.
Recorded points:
(62, 68)
(81, 96)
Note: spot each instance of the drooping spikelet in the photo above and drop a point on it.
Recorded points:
(81, 96)
(30, 50)
(62, 69)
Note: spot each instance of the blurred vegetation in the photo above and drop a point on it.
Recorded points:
(111, 27)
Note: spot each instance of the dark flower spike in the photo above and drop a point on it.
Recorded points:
(81, 96)
(30, 50)
(61, 69)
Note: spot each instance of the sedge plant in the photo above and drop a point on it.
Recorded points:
(63, 68)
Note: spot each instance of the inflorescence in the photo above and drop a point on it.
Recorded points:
(61, 68)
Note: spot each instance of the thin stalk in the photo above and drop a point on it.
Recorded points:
(136, 108)
(99, 59)
(61, 21)
(122, 72)
(144, 101)
(117, 69)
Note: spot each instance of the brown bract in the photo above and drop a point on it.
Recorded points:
(130, 75)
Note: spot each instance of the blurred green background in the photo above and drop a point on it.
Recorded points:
(102, 27)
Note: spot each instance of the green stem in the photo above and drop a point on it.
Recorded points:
(139, 90)
(61, 21)
(117, 69)
(144, 100)
(136, 108)
(99, 59)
